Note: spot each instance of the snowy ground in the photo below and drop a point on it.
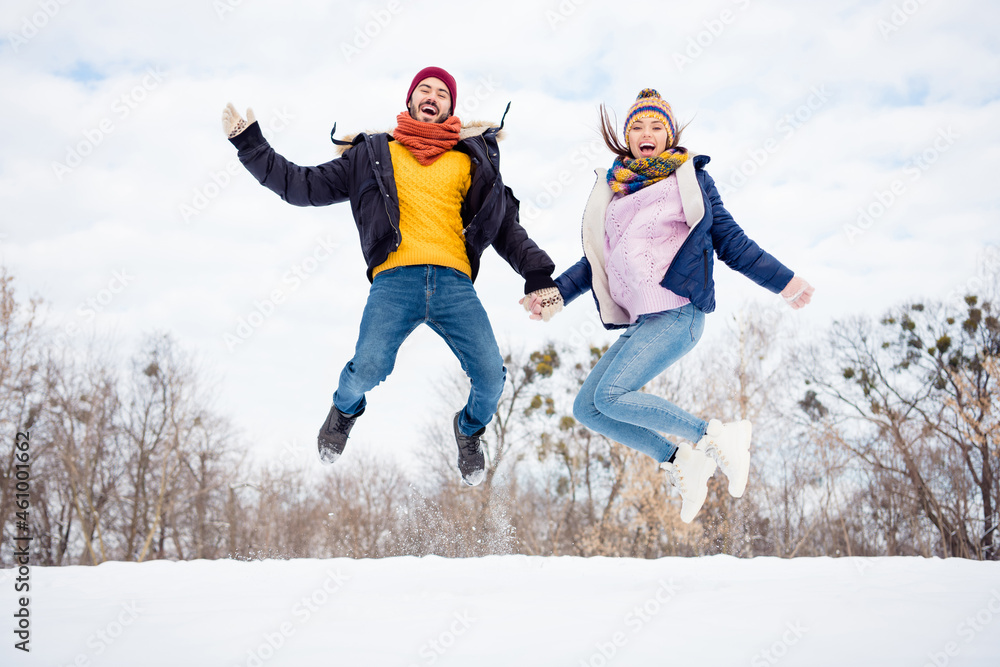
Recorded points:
(511, 610)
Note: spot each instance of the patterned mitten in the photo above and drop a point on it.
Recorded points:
(550, 300)
(232, 121)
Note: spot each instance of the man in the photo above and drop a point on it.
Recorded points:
(427, 200)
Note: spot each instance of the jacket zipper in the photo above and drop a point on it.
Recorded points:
(705, 256)
(489, 155)
(381, 188)
(493, 187)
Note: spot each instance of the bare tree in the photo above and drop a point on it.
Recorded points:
(20, 391)
(85, 440)
(915, 395)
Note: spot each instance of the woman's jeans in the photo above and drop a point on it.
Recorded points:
(444, 299)
(610, 401)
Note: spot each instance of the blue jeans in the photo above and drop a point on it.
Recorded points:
(610, 402)
(444, 299)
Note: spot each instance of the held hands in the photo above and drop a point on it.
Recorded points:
(543, 304)
(232, 121)
(797, 293)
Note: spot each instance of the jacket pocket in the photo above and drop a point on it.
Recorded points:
(705, 257)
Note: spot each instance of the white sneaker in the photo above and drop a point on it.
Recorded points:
(729, 445)
(690, 473)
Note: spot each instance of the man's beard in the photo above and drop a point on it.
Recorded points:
(415, 112)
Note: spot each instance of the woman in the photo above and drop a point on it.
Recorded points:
(650, 230)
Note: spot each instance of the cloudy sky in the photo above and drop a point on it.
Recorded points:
(856, 140)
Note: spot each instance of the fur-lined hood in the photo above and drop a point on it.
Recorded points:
(469, 130)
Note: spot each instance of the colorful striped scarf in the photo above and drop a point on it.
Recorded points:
(629, 175)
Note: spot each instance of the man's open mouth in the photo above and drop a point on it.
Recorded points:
(429, 109)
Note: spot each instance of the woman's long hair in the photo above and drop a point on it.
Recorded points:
(621, 149)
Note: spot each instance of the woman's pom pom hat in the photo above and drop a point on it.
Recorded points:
(649, 104)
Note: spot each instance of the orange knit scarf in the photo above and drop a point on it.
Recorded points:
(427, 141)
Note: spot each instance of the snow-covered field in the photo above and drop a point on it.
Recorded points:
(511, 610)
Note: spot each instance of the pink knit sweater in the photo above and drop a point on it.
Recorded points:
(642, 233)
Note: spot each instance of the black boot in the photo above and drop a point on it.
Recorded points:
(333, 435)
(471, 462)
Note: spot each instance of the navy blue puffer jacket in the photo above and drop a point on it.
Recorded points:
(712, 232)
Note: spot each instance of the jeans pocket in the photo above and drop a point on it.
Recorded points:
(459, 274)
(697, 321)
(388, 272)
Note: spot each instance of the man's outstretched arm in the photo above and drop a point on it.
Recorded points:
(302, 186)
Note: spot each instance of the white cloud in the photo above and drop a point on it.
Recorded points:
(749, 87)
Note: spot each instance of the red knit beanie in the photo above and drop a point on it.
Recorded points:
(439, 73)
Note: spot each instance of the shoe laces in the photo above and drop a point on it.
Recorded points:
(343, 422)
(712, 449)
(675, 477)
(470, 446)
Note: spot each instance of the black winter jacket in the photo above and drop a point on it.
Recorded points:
(364, 175)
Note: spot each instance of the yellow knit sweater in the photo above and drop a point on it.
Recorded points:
(430, 205)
